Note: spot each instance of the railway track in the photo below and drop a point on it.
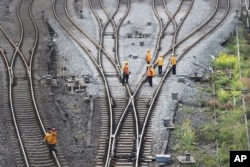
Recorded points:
(20, 98)
(125, 137)
(121, 138)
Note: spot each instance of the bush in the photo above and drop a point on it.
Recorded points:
(225, 61)
(223, 96)
(186, 135)
(222, 82)
(208, 132)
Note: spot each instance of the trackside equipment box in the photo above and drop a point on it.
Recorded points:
(163, 158)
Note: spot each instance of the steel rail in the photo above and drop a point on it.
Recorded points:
(176, 27)
(162, 26)
(101, 48)
(167, 71)
(212, 29)
(110, 18)
(152, 102)
(100, 30)
(10, 89)
(32, 54)
(130, 100)
(29, 71)
(91, 39)
(196, 30)
(117, 59)
(95, 63)
(117, 28)
(179, 25)
(26, 161)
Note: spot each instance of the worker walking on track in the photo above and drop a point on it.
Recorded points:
(150, 74)
(148, 56)
(50, 139)
(159, 62)
(125, 72)
(173, 63)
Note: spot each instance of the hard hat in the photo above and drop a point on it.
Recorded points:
(160, 55)
(126, 62)
(148, 50)
(172, 54)
(149, 65)
(53, 129)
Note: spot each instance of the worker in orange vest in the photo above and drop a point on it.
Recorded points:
(50, 139)
(150, 74)
(126, 72)
(173, 63)
(159, 62)
(148, 56)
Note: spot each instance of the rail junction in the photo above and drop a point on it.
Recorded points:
(105, 34)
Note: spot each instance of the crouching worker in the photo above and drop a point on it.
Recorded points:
(50, 139)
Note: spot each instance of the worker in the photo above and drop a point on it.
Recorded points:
(150, 74)
(50, 139)
(148, 56)
(173, 63)
(159, 62)
(125, 72)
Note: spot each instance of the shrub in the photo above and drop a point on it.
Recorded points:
(223, 96)
(208, 132)
(225, 61)
(222, 82)
(186, 135)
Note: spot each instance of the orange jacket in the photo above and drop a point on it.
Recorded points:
(173, 60)
(160, 61)
(125, 69)
(50, 137)
(150, 72)
(148, 57)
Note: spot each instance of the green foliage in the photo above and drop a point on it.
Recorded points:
(186, 135)
(225, 61)
(223, 96)
(208, 131)
(229, 131)
(232, 132)
(222, 82)
(235, 93)
(208, 160)
(223, 157)
(236, 84)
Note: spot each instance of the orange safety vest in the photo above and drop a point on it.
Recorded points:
(160, 61)
(125, 69)
(50, 138)
(150, 72)
(173, 60)
(148, 57)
